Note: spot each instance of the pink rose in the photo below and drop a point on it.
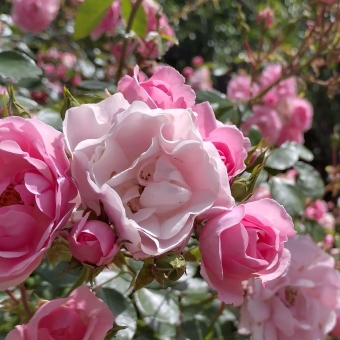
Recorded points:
(35, 194)
(267, 120)
(285, 88)
(80, 316)
(241, 88)
(109, 22)
(200, 79)
(165, 89)
(299, 305)
(187, 71)
(266, 16)
(93, 242)
(157, 22)
(246, 242)
(229, 141)
(34, 15)
(316, 210)
(290, 133)
(69, 60)
(197, 61)
(162, 176)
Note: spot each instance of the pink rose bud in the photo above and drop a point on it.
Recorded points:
(266, 16)
(187, 71)
(34, 15)
(80, 316)
(197, 61)
(93, 242)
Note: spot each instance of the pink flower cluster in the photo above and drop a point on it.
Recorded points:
(318, 211)
(173, 164)
(301, 305)
(282, 116)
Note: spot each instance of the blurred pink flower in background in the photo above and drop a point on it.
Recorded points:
(241, 89)
(34, 15)
(266, 16)
(300, 305)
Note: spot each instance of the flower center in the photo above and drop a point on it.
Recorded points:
(10, 197)
(290, 295)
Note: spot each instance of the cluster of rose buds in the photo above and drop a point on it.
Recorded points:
(281, 116)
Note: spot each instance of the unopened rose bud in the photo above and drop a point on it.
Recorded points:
(197, 61)
(93, 242)
(170, 266)
(266, 16)
(187, 72)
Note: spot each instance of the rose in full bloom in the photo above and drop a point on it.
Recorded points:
(93, 242)
(246, 242)
(35, 194)
(109, 22)
(301, 305)
(80, 316)
(149, 168)
(165, 89)
(34, 15)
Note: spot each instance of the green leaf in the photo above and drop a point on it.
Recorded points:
(51, 117)
(254, 135)
(139, 25)
(123, 310)
(212, 96)
(17, 65)
(193, 255)
(144, 276)
(288, 195)
(303, 152)
(96, 85)
(160, 304)
(316, 230)
(283, 158)
(69, 101)
(309, 180)
(88, 17)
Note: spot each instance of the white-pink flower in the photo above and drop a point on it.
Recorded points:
(149, 168)
(300, 305)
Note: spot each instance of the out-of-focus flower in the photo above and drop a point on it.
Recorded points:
(34, 15)
(241, 88)
(266, 16)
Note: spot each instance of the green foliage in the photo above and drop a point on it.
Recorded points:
(89, 15)
(139, 25)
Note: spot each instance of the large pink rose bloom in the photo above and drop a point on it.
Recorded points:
(165, 89)
(150, 168)
(35, 194)
(80, 316)
(245, 243)
(34, 15)
(299, 305)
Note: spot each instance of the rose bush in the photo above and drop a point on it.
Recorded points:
(81, 316)
(244, 243)
(300, 305)
(161, 177)
(36, 191)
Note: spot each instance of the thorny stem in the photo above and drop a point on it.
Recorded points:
(125, 43)
(11, 295)
(24, 300)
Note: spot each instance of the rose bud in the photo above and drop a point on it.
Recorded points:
(93, 242)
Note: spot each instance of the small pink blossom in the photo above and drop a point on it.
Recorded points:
(197, 61)
(266, 16)
(34, 15)
(80, 316)
(245, 243)
(92, 242)
(200, 79)
(241, 88)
